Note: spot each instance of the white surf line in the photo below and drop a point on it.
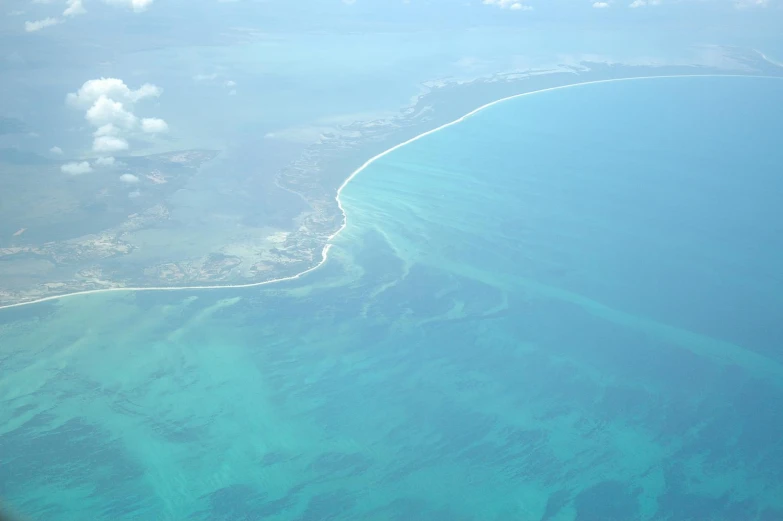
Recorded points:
(768, 59)
(324, 254)
(328, 246)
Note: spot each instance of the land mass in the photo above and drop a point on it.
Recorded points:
(134, 227)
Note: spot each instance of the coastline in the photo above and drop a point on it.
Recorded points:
(328, 245)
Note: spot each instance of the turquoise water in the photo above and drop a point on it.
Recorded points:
(564, 308)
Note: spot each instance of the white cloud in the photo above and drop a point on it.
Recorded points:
(112, 88)
(147, 90)
(230, 85)
(76, 168)
(600, 5)
(140, 5)
(154, 125)
(107, 112)
(108, 105)
(56, 150)
(32, 27)
(744, 4)
(105, 161)
(514, 5)
(106, 130)
(136, 5)
(129, 179)
(205, 77)
(109, 144)
(74, 8)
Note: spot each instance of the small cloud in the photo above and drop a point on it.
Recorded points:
(134, 194)
(74, 8)
(76, 168)
(230, 84)
(154, 125)
(600, 5)
(205, 77)
(109, 144)
(137, 5)
(129, 179)
(513, 5)
(745, 4)
(643, 3)
(105, 162)
(56, 150)
(32, 27)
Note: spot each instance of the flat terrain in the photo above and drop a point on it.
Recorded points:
(195, 218)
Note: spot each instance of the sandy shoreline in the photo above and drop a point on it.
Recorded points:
(328, 245)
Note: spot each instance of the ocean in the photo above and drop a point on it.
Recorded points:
(565, 307)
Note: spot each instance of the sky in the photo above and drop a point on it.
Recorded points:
(91, 79)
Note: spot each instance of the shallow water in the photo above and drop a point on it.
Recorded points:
(564, 308)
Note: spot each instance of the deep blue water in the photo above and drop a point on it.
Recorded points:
(566, 307)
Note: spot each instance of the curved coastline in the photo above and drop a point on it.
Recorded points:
(328, 245)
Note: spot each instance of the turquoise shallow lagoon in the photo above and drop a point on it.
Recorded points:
(566, 307)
